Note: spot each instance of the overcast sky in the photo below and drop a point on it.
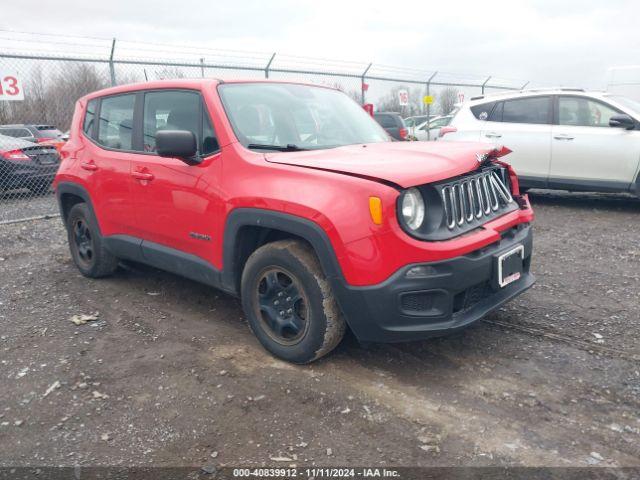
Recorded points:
(550, 42)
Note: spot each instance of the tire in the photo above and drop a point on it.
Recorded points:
(289, 304)
(86, 244)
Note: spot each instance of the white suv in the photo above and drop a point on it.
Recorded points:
(566, 139)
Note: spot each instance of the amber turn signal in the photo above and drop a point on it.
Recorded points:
(375, 208)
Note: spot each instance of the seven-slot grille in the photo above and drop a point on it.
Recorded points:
(470, 199)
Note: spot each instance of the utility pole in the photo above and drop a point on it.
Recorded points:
(362, 78)
(112, 69)
(485, 82)
(266, 69)
(429, 105)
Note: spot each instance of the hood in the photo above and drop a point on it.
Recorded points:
(405, 164)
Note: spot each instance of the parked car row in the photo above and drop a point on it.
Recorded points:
(48, 134)
(417, 128)
(29, 156)
(430, 130)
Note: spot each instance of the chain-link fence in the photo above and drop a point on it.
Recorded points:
(52, 72)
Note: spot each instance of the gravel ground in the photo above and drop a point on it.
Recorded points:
(170, 375)
(21, 204)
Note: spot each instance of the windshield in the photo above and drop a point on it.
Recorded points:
(626, 102)
(296, 117)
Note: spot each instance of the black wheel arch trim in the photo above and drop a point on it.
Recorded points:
(74, 189)
(288, 223)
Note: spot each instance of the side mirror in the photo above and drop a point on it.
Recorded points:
(180, 144)
(622, 120)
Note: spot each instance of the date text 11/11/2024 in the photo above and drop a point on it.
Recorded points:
(315, 472)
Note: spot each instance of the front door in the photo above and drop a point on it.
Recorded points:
(586, 151)
(176, 204)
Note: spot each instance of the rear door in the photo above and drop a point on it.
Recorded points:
(176, 204)
(524, 126)
(106, 160)
(586, 151)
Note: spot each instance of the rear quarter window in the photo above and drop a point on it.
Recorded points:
(483, 111)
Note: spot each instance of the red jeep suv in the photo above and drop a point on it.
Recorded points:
(292, 197)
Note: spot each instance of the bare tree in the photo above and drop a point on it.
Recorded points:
(65, 89)
(52, 101)
(353, 93)
(5, 114)
(447, 99)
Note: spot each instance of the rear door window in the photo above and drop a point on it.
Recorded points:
(115, 127)
(496, 113)
(527, 110)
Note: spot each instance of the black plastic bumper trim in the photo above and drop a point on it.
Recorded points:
(374, 313)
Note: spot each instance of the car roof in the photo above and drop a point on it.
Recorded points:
(188, 83)
(479, 99)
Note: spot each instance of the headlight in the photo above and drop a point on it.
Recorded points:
(412, 208)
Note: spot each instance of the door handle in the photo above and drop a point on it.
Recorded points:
(143, 176)
(493, 135)
(563, 136)
(90, 166)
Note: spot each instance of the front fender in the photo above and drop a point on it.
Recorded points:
(295, 225)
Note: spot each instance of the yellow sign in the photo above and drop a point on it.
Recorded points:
(427, 99)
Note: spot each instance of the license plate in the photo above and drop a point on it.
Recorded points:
(46, 161)
(510, 266)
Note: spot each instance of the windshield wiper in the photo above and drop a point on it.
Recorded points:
(290, 147)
